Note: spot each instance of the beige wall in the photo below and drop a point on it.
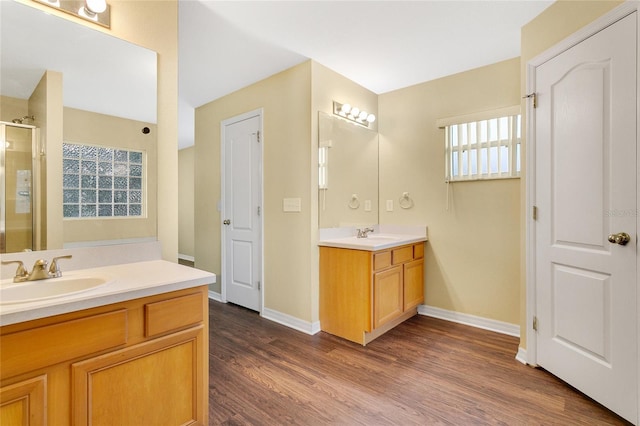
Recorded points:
(291, 101)
(328, 86)
(153, 24)
(11, 108)
(45, 104)
(84, 127)
(556, 23)
(185, 201)
(285, 99)
(472, 257)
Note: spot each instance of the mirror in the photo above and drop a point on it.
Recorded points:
(108, 96)
(348, 173)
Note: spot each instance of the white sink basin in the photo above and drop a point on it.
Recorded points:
(379, 237)
(32, 291)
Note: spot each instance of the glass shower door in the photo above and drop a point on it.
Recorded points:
(16, 188)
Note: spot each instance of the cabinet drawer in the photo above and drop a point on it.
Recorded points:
(418, 251)
(402, 254)
(173, 314)
(43, 346)
(381, 260)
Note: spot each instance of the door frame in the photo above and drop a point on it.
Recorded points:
(599, 24)
(221, 207)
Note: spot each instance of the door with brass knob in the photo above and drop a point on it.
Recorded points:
(226, 222)
(584, 268)
(621, 238)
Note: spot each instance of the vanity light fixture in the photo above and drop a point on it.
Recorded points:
(353, 114)
(97, 11)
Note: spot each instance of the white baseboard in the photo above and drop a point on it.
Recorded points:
(215, 296)
(186, 257)
(472, 320)
(291, 322)
(522, 355)
(279, 317)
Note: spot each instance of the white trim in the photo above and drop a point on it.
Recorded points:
(214, 295)
(581, 35)
(599, 24)
(521, 356)
(472, 320)
(260, 113)
(530, 227)
(291, 322)
(478, 116)
(186, 257)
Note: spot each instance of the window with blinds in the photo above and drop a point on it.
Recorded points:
(485, 148)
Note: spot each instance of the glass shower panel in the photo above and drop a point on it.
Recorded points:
(17, 189)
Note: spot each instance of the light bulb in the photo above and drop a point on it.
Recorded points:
(371, 118)
(345, 108)
(355, 111)
(363, 115)
(96, 6)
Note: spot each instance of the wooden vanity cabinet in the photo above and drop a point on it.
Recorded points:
(364, 294)
(143, 361)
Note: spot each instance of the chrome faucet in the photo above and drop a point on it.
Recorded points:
(39, 271)
(362, 233)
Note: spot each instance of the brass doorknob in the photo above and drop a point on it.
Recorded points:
(226, 222)
(621, 238)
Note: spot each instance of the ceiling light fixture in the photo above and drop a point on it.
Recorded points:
(353, 114)
(97, 11)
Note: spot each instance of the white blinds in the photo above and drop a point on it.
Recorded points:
(483, 149)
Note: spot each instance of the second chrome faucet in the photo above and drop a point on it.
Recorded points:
(363, 233)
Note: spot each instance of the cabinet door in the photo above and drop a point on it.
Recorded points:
(156, 382)
(24, 403)
(387, 295)
(413, 283)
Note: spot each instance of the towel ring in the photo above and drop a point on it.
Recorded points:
(405, 201)
(354, 203)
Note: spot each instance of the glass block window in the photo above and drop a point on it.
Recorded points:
(101, 182)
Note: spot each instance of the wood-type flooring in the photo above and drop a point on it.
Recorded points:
(424, 372)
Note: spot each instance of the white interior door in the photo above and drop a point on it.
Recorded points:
(585, 180)
(242, 230)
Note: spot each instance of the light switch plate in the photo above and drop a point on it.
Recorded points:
(389, 205)
(292, 204)
(367, 205)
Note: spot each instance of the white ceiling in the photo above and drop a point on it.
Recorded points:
(381, 45)
(227, 45)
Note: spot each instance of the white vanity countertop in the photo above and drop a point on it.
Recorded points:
(373, 242)
(383, 237)
(129, 281)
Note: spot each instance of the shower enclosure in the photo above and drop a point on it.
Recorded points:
(20, 175)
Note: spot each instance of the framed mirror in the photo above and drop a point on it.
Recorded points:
(348, 173)
(100, 91)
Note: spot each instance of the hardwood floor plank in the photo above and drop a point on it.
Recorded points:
(425, 371)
